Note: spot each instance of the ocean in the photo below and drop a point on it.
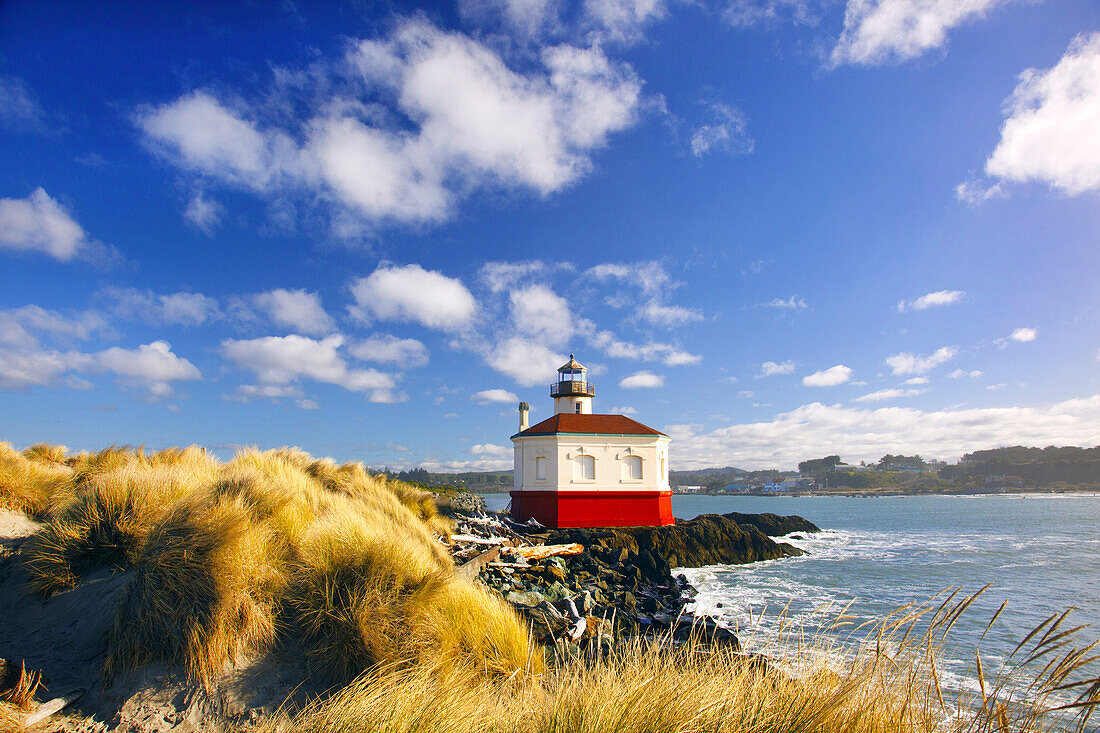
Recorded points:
(1040, 552)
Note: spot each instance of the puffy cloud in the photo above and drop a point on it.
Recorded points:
(625, 410)
(246, 392)
(830, 377)
(461, 120)
(639, 380)
(888, 394)
(906, 363)
(668, 315)
(876, 31)
(39, 224)
(180, 309)
(793, 303)
(771, 368)
(151, 367)
(650, 277)
(727, 131)
(487, 396)
(489, 449)
(282, 360)
(388, 349)
(21, 326)
(528, 362)
(203, 213)
(976, 192)
(411, 293)
(501, 276)
(622, 20)
(958, 373)
(28, 367)
(931, 300)
(867, 434)
(924, 380)
(539, 312)
(1024, 334)
(651, 351)
(299, 309)
(200, 133)
(1053, 115)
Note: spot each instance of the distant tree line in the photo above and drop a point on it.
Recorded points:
(1033, 466)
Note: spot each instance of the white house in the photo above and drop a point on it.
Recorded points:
(579, 469)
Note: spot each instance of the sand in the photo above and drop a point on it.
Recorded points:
(63, 638)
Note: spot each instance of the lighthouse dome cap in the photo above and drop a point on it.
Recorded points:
(572, 367)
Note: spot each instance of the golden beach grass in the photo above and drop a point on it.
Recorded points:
(225, 557)
(889, 683)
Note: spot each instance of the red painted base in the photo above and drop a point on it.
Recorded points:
(559, 509)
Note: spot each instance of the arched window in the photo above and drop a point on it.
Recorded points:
(540, 468)
(632, 468)
(584, 468)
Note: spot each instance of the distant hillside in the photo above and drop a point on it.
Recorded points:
(478, 482)
(1051, 466)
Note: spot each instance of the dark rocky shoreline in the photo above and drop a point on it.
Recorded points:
(620, 583)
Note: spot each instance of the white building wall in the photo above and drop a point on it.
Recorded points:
(560, 452)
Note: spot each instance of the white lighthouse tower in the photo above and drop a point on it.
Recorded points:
(582, 469)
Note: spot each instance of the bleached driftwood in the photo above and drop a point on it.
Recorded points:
(479, 540)
(541, 552)
(51, 707)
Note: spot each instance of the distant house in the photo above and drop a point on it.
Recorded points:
(786, 485)
(687, 489)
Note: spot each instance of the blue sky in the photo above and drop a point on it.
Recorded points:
(775, 229)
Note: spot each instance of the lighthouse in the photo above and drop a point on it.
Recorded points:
(584, 469)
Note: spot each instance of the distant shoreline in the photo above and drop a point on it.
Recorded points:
(876, 493)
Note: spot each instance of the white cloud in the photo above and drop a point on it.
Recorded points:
(539, 312)
(180, 309)
(623, 20)
(282, 360)
(746, 13)
(21, 326)
(771, 368)
(652, 351)
(422, 118)
(931, 300)
(649, 277)
(924, 380)
(830, 377)
(868, 434)
(246, 392)
(388, 349)
(639, 380)
(411, 293)
(746, 394)
(976, 192)
(489, 449)
(28, 367)
(1024, 334)
(1053, 115)
(501, 276)
(959, 373)
(731, 380)
(298, 309)
(995, 387)
(625, 410)
(201, 133)
(307, 404)
(888, 394)
(726, 131)
(668, 315)
(487, 396)
(906, 363)
(877, 31)
(150, 367)
(18, 107)
(39, 224)
(793, 303)
(203, 213)
(528, 362)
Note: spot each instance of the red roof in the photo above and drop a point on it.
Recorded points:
(570, 422)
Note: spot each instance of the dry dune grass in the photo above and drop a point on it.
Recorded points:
(889, 684)
(226, 557)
